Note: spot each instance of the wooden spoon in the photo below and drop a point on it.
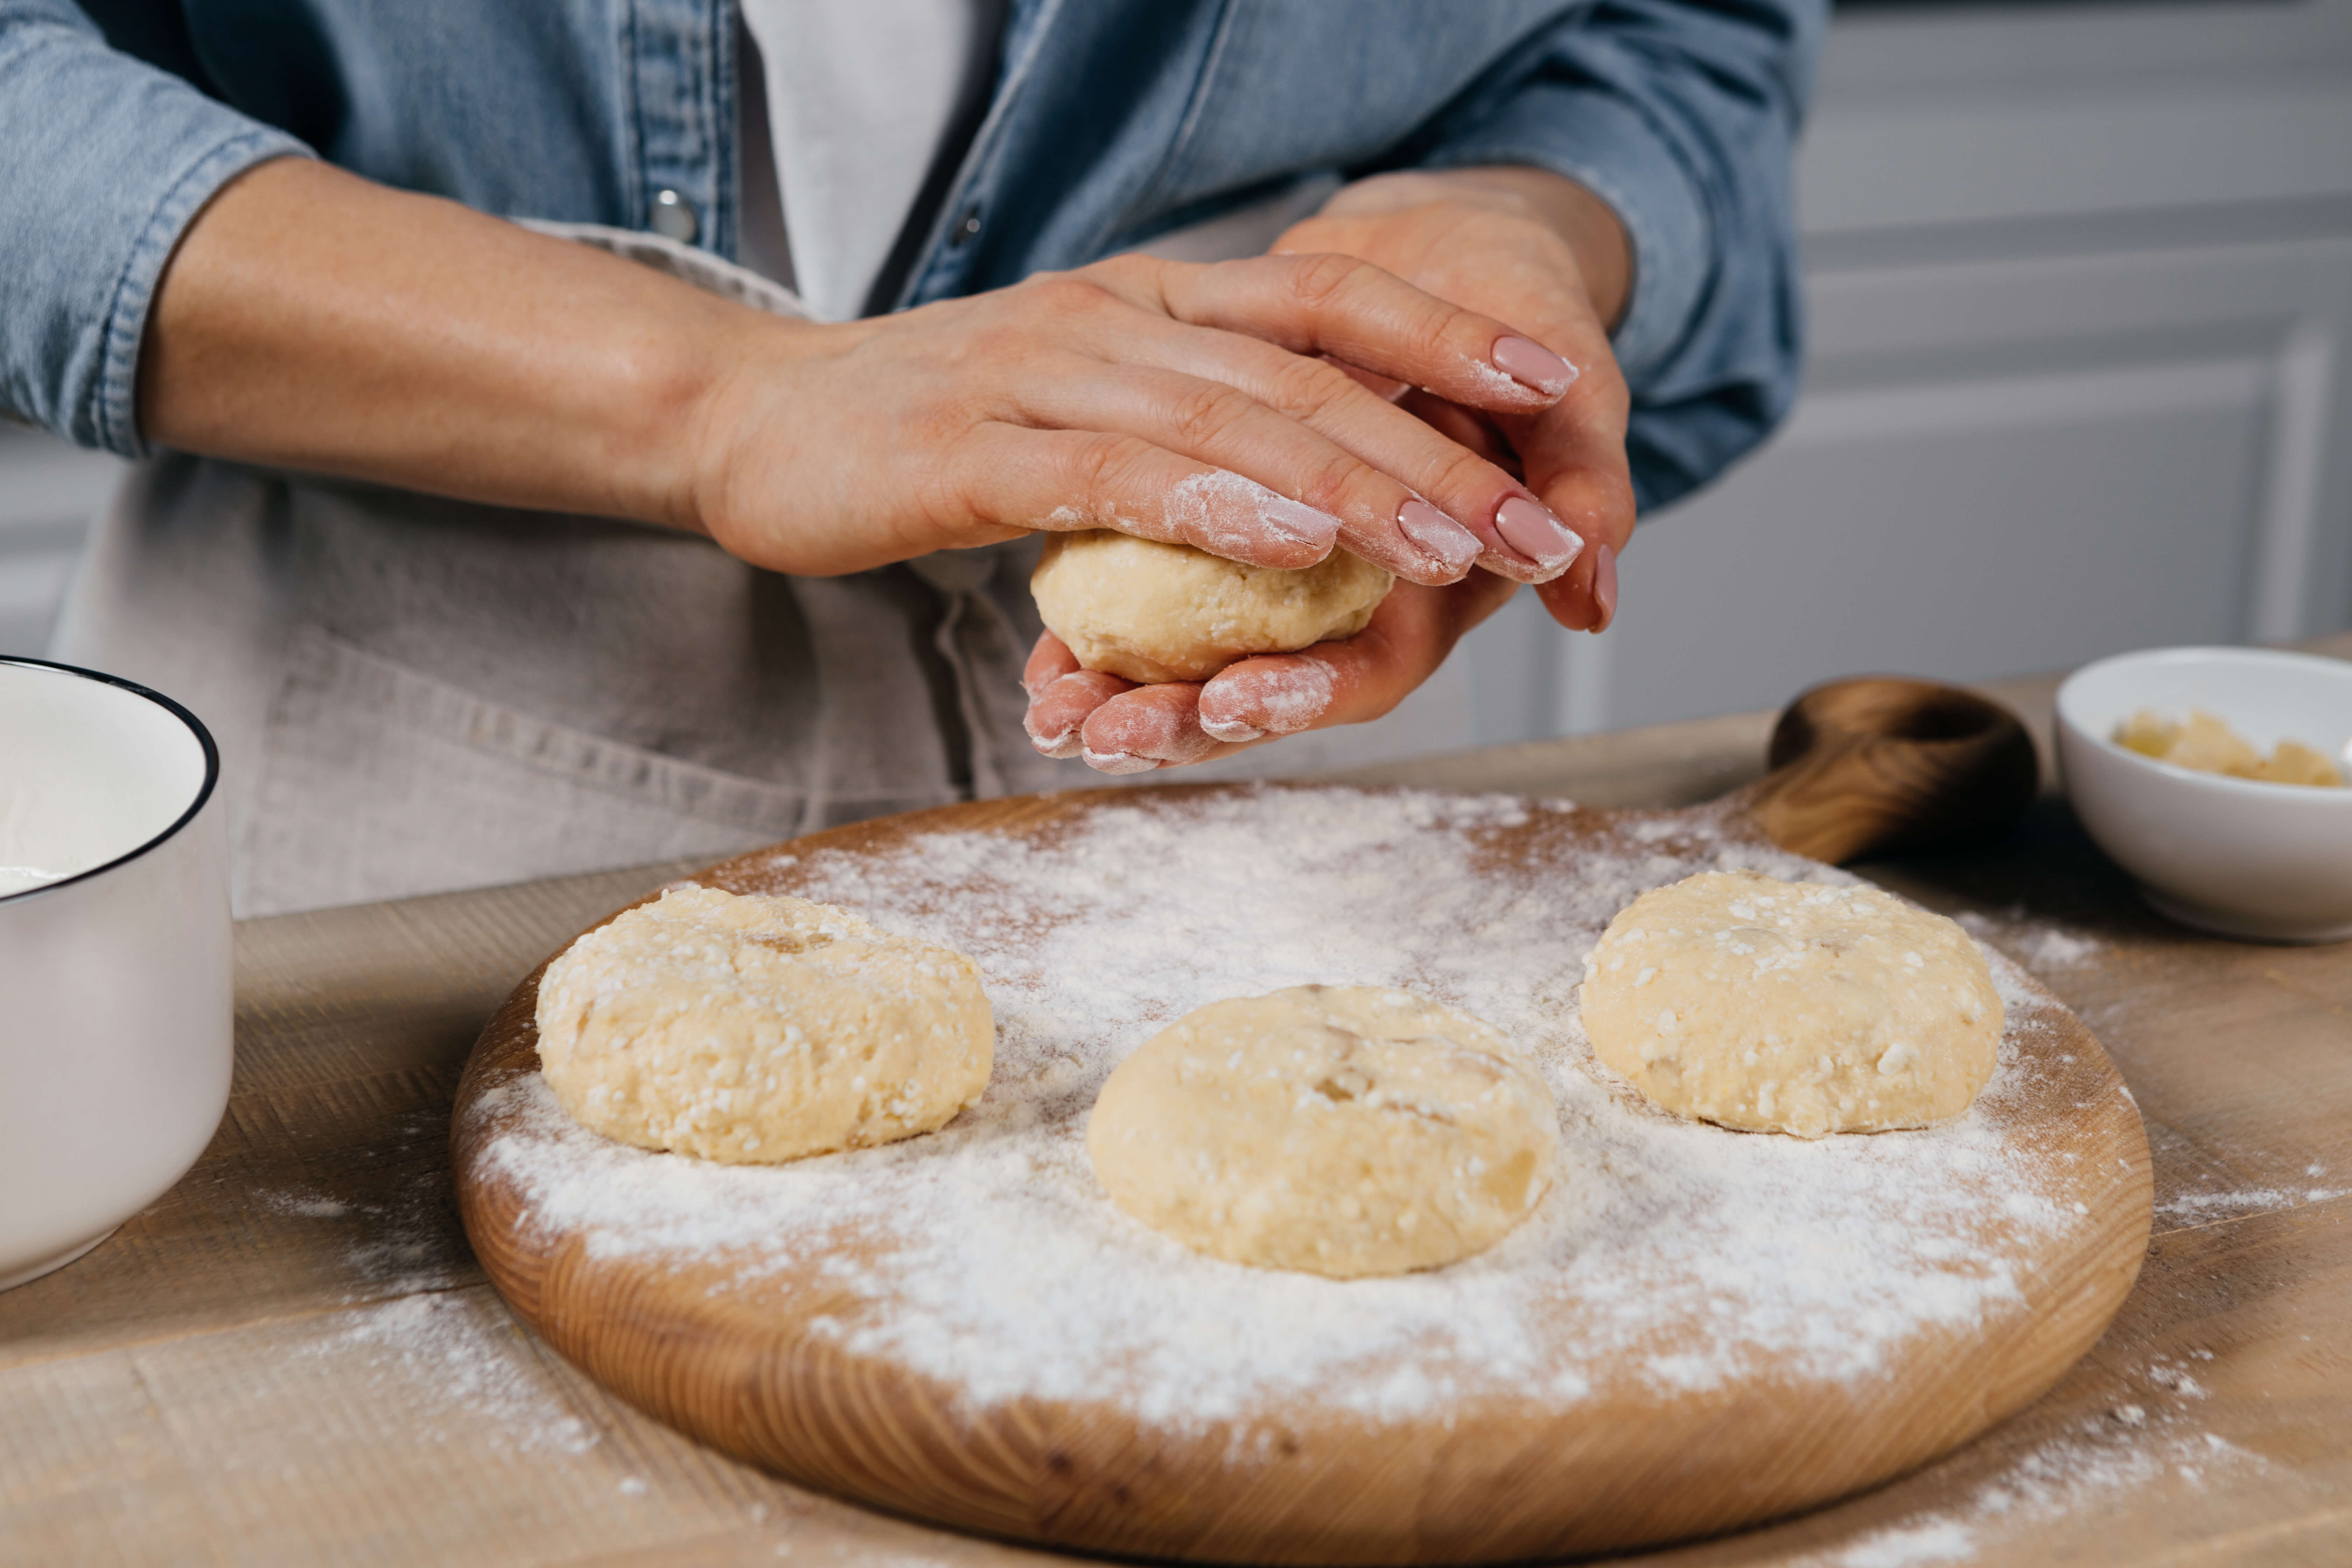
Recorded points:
(1881, 763)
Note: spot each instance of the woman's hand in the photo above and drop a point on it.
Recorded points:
(1120, 727)
(1164, 399)
(312, 320)
(1549, 256)
(1529, 246)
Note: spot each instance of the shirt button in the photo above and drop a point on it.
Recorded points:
(967, 228)
(673, 220)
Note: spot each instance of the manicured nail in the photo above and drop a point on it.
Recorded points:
(1118, 762)
(1300, 522)
(1536, 534)
(1604, 586)
(1438, 536)
(1217, 508)
(1232, 730)
(1532, 364)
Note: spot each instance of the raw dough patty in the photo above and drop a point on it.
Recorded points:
(1154, 612)
(754, 1030)
(1342, 1131)
(1790, 1007)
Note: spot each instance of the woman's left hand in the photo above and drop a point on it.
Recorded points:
(1521, 244)
(1120, 727)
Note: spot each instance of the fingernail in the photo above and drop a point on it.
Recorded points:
(1530, 364)
(1231, 731)
(1300, 522)
(1604, 586)
(1118, 762)
(1212, 505)
(1438, 536)
(1536, 534)
(1065, 744)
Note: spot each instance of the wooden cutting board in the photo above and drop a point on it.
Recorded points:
(1607, 1383)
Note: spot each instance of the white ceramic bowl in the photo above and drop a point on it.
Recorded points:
(2273, 862)
(115, 968)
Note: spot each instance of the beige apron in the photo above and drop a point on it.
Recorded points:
(412, 694)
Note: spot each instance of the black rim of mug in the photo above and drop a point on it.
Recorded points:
(195, 727)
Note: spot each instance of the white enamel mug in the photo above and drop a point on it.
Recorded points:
(115, 967)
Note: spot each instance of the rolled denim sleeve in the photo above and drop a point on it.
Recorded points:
(107, 161)
(1683, 116)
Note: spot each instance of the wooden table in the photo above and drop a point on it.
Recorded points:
(292, 1357)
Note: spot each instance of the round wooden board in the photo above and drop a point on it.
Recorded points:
(1496, 1474)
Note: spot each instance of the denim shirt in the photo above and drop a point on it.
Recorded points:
(1112, 121)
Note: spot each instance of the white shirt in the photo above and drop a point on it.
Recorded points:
(847, 106)
(858, 95)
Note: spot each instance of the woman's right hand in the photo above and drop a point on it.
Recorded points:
(1170, 400)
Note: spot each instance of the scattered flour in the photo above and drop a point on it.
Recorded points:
(2202, 1207)
(412, 1241)
(2040, 944)
(2049, 948)
(305, 1205)
(1940, 1540)
(1670, 1256)
(445, 1355)
(2088, 1467)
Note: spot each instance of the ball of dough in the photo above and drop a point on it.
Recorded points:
(1342, 1131)
(754, 1030)
(1790, 1007)
(1154, 612)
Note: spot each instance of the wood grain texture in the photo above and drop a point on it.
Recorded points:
(1491, 1479)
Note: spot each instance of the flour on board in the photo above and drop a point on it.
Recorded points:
(1675, 1255)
